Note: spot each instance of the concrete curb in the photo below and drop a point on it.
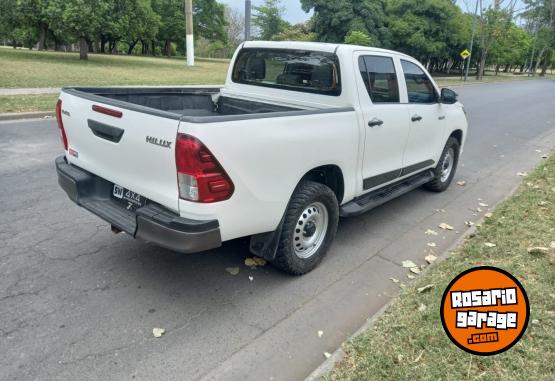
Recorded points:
(26, 115)
(329, 364)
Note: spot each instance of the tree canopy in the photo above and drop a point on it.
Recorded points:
(434, 31)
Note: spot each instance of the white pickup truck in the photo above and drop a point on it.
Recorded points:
(301, 134)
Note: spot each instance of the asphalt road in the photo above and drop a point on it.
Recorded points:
(78, 302)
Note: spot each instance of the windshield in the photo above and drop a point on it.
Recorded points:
(299, 70)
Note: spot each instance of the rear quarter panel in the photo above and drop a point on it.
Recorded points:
(266, 158)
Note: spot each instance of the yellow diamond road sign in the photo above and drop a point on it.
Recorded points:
(465, 54)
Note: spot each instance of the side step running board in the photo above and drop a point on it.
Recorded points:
(381, 196)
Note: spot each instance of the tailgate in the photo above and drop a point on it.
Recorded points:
(135, 151)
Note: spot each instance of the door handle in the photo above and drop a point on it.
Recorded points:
(375, 122)
(105, 131)
(416, 118)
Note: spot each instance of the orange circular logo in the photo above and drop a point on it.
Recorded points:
(485, 311)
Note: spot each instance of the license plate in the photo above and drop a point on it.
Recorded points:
(129, 199)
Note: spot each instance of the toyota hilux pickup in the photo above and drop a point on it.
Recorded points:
(300, 135)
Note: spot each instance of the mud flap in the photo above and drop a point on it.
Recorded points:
(265, 245)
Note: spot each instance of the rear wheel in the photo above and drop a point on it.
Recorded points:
(446, 168)
(308, 229)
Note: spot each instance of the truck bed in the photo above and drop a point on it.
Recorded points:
(191, 104)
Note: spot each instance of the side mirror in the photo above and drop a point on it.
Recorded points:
(448, 96)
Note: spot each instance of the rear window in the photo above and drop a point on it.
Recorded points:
(298, 70)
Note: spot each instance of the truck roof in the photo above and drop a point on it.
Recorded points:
(318, 46)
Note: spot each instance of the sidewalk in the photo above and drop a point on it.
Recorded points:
(29, 91)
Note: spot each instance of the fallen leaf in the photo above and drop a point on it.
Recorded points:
(251, 278)
(539, 151)
(430, 232)
(552, 245)
(483, 205)
(232, 270)
(469, 223)
(259, 261)
(415, 270)
(422, 307)
(418, 358)
(479, 210)
(543, 203)
(489, 244)
(430, 258)
(445, 226)
(522, 174)
(461, 183)
(488, 215)
(320, 333)
(254, 262)
(408, 264)
(158, 332)
(431, 244)
(250, 262)
(327, 355)
(410, 276)
(425, 288)
(538, 250)
(394, 280)
(440, 210)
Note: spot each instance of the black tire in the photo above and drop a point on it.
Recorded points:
(306, 194)
(438, 184)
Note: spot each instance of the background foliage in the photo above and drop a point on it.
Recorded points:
(434, 31)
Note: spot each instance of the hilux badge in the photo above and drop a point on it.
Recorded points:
(159, 142)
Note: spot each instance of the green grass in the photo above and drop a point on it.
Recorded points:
(408, 344)
(23, 68)
(27, 103)
(488, 78)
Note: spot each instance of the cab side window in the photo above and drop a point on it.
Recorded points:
(380, 78)
(419, 86)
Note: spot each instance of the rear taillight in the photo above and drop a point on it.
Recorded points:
(200, 176)
(63, 135)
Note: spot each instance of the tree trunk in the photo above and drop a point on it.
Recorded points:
(83, 49)
(153, 50)
(42, 38)
(167, 49)
(507, 68)
(131, 47)
(539, 59)
(14, 44)
(497, 68)
(102, 44)
(546, 62)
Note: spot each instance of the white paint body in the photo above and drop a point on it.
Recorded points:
(267, 157)
(190, 45)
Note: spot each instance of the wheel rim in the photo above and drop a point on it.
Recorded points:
(447, 165)
(310, 230)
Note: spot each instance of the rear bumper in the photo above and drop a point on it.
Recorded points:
(152, 223)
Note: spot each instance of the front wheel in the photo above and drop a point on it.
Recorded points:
(446, 168)
(308, 229)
